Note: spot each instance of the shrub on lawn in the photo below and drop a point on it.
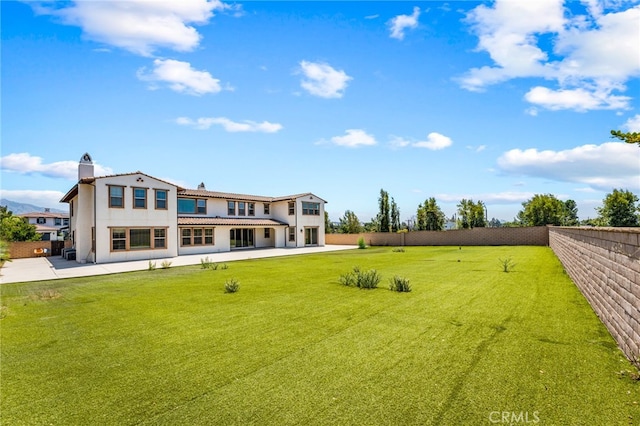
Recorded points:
(152, 266)
(206, 263)
(361, 279)
(361, 243)
(398, 250)
(166, 264)
(507, 264)
(399, 284)
(232, 285)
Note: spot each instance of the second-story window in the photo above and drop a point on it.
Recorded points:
(252, 209)
(57, 221)
(266, 208)
(161, 199)
(241, 208)
(116, 196)
(41, 221)
(292, 208)
(139, 198)
(192, 206)
(231, 208)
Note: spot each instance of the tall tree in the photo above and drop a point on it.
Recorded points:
(619, 208)
(329, 228)
(628, 137)
(395, 216)
(430, 216)
(16, 228)
(350, 224)
(570, 214)
(542, 209)
(471, 214)
(384, 212)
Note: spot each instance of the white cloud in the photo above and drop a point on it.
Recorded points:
(41, 198)
(354, 138)
(632, 124)
(323, 80)
(435, 141)
(506, 197)
(180, 77)
(602, 167)
(579, 99)
(25, 163)
(400, 23)
(204, 123)
(580, 60)
(139, 26)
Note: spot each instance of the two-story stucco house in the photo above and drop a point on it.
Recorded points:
(134, 216)
(49, 224)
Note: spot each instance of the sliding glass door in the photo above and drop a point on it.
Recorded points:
(241, 237)
(311, 236)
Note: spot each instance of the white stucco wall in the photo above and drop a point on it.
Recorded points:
(129, 217)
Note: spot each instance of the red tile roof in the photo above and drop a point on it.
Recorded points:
(228, 221)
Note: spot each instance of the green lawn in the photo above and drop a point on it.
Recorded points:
(293, 346)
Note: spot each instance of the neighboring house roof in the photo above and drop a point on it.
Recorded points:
(245, 197)
(42, 228)
(228, 221)
(46, 215)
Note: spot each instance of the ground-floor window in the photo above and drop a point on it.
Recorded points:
(267, 232)
(311, 236)
(292, 234)
(241, 237)
(125, 239)
(196, 236)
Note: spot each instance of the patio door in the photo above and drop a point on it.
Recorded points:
(241, 237)
(310, 236)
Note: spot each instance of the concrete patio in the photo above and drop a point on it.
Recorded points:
(56, 267)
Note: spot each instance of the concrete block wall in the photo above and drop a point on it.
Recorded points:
(605, 265)
(25, 249)
(538, 236)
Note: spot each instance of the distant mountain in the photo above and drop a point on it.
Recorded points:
(20, 208)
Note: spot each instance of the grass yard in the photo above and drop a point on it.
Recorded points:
(469, 345)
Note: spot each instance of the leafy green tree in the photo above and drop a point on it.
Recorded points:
(542, 209)
(494, 223)
(350, 224)
(628, 137)
(430, 216)
(570, 214)
(471, 215)
(395, 216)
(328, 225)
(619, 208)
(15, 228)
(384, 215)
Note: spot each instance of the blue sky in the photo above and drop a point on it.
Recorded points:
(493, 101)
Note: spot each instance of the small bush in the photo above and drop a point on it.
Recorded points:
(224, 266)
(361, 279)
(507, 264)
(361, 243)
(348, 279)
(232, 285)
(398, 250)
(152, 266)
(166, 264)
(206, 263)
(399, 284)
